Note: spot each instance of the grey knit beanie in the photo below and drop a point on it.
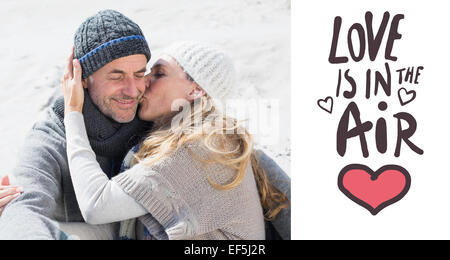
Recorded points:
(106, 36)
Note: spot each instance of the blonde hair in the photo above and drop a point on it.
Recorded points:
(225, 140)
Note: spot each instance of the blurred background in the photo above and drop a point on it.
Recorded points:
(36, 38)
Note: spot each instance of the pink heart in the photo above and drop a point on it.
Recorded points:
(374, 190)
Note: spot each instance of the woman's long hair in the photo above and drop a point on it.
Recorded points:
(225, 140)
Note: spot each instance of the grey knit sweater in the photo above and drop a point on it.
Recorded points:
(184, 205)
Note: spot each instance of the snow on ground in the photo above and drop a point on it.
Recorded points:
(36, 37)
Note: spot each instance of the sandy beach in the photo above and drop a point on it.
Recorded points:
(37, 37)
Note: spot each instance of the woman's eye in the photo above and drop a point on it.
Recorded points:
(158, 75)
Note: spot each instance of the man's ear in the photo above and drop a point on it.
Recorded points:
(196, 92)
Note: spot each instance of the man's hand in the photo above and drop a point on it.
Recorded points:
(7, 192)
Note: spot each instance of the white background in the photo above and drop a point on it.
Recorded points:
(320, 210)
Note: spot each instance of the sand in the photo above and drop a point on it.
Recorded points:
(36, 37)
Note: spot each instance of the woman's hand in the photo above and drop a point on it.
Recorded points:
(72, 87)
(7, 192)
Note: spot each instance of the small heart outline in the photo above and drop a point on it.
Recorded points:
(407, 93)
(320, 101)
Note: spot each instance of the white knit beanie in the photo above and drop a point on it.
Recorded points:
(210, 67)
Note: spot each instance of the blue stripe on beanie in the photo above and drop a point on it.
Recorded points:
(126, 38)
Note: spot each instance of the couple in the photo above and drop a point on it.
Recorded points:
(197, 178)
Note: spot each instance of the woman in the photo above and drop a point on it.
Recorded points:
(194, 176)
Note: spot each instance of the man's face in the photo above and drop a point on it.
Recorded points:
(117, 87)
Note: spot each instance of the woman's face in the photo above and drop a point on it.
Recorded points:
(166, 83)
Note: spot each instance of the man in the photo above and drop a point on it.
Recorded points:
(113, 53)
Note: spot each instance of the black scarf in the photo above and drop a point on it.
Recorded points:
(109, 139)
